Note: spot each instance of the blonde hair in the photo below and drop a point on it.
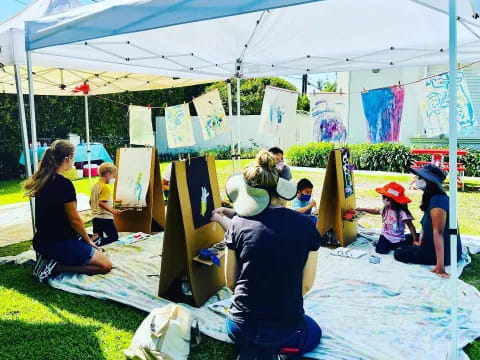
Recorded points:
(53, 157)
(262, 172)
(107, 168)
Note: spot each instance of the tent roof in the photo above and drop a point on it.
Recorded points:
(193, 38)
(48, 80)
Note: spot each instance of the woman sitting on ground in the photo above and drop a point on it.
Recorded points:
(61, 241)
(270, 265)
(433, 245)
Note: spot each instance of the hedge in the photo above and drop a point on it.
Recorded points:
(390, 157)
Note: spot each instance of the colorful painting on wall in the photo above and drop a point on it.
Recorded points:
(200, 191)
(329, 112)
(212, 115)
(383, 110)
(179, 126)
(134, 176)
(141, 130)
(435, 105)
(279, 109)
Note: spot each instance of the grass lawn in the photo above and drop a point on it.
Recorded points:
(39, 322)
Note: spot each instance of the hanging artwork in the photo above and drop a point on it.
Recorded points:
(383, 111)
(179, 126)
(435, 105)
(200, 191)
(330, 113)
(212, 115)
(347, 173)
(141, 131)
(133, 176)
(279, 109)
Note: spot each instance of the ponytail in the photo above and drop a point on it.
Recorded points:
(47, 168)
(262, 171)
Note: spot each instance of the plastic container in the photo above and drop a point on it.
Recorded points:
(93, 170)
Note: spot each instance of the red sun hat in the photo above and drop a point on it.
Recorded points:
(394, 191)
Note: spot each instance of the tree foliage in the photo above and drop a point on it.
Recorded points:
(252, 92)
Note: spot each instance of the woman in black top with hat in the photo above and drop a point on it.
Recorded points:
(433, 245)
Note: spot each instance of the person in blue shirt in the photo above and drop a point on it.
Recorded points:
(304, 203)
(433, 244)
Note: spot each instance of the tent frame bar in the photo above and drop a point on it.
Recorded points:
(23, 127)
(452, 144)
(33, 120)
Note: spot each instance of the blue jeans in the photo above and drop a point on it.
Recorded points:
(254, 336)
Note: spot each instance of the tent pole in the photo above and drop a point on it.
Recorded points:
(89, 155)
(230, 118)
(33, 120)
(452, 144)
(23, 127)
(239, 122)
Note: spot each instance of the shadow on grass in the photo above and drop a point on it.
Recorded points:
(21, 340)
(19, 278)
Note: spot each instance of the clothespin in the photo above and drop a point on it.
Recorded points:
(364, 90)
(149, 107)
(399, 84)
(341, 93)
(188, 159)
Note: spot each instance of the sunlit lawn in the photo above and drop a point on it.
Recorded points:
(38, 322)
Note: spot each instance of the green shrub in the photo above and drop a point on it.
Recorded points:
(309, 155)
(378, 157)
(223, 152)
(471, 162)
(390, 157)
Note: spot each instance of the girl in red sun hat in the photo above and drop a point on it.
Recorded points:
(395, 217)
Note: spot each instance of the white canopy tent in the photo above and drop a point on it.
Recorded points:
(218, 39)
(60, 81)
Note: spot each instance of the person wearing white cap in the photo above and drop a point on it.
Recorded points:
(270, 264)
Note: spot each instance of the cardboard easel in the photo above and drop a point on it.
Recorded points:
(337, 199)
(144, 219)
(184, 238)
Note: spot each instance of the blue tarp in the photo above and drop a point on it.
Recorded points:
(98, 152)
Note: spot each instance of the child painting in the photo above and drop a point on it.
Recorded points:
(303, 202)
(395, 217)
(101, 201)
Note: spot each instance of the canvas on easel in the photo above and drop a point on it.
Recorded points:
(338, 197)
(139, 188)
(194, 194)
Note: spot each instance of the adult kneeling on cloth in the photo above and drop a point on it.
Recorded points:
(433, 246)
(61, 241)
(271, 263)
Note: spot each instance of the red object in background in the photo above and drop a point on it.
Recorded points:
(84, 88)
(94, 171)
(437, 152)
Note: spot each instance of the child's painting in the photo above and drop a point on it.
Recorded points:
(347, 173)
(134, 176)
(179, 126)
(383, 110)
(200, 191)
(329, 112)
(212, 115)
(141, 131)
(435, 105)
(279, 110)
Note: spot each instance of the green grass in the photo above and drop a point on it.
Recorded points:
(39, 322)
